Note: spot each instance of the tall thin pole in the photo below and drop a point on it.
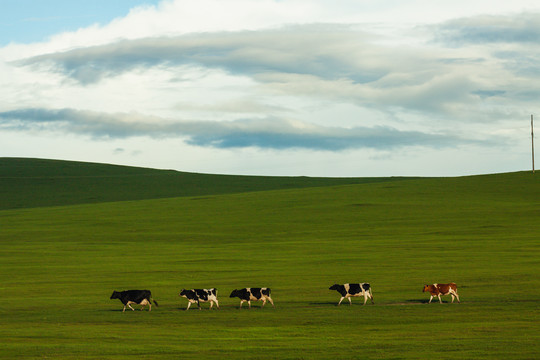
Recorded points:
(532, 142)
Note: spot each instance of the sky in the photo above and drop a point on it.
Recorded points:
(335, 88)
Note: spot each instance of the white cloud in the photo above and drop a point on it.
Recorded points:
(245, 77)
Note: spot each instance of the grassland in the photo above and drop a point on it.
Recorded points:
(28, 183)
(61, 263)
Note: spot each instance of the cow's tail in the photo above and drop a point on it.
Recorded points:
(155, 302)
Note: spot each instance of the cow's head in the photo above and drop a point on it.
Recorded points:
(183, 292)
(334, 287)
(115, 295)
(234, 293)
(426, 288)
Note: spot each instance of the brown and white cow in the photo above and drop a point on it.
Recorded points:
(441, 289)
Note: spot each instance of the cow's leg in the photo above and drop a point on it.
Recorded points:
(271, 301)
(143, 303)
(130, 307)
(431, 298)
(241, 302)
(217, 303)
(211, 304)
(188, 305)
(249, 303)
(365, 298)
(199, 304)
(440, 301)
(350, 300)
(454, 293)
(340, 300)
(264, 302)
(124, 308)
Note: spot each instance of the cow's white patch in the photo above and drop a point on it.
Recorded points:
(143, 303)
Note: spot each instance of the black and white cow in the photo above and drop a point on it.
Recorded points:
(140, 297)
(249, 294)
(349, 290)
(200, 295)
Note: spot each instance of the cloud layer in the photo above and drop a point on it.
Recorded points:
(263, 133)
(308, 77)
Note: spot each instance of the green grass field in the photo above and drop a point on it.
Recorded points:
(60, 263)
(29, 183)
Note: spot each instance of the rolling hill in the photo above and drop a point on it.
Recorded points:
(40, 182)
(63, 256)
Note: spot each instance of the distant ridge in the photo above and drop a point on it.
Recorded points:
(28, 183)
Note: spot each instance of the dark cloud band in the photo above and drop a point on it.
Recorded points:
(269, 133)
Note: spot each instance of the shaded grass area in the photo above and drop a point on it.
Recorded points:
(60, 265)
(26, 183)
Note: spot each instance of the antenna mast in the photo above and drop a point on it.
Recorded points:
(532, 142)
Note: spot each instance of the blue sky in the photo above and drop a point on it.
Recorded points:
(267, 87)
(25, 21)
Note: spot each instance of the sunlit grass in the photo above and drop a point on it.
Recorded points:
(61, 264)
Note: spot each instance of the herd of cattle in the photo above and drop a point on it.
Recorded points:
(144, 297)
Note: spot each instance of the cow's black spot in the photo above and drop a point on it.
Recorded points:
(202, 294)
(242, 294)
(354, 289)
(256, 292)
(339, 288)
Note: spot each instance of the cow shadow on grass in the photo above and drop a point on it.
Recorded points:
(136, 310)
(321, 303)
(335, 303)
(426, 301)
(416, 301)
(361, 303)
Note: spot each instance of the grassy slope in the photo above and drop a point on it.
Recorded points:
(59, 266)
(26, 183)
